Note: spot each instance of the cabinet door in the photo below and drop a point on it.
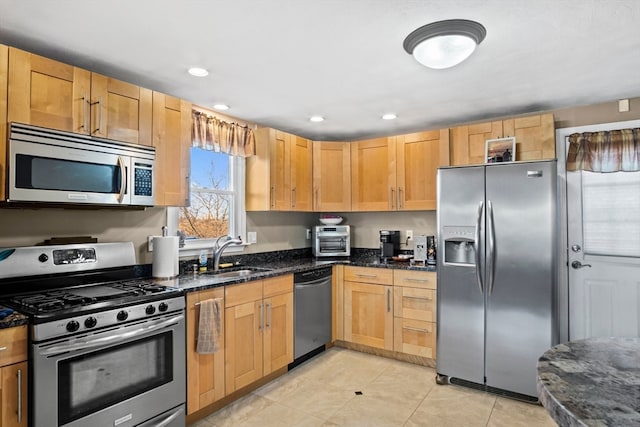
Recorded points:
(535, 136)
(120, 110)
(331, 176)
(14, 395)
(301, 174)
(280, 171)
(172, 140)
(468, 142)
(243, 338)
(418, 156)
(278, 332)
(4, 72)
(205, 372)
(368, 313)
(48, 93)
(373, 175)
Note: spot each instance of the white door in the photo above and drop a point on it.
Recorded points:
(603, 236)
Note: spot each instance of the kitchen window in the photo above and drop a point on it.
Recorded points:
(216, 197)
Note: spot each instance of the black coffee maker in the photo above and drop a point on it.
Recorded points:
(389, 244)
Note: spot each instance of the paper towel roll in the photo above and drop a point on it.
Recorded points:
(165, 257)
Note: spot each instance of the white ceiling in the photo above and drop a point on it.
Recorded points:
(278, 62)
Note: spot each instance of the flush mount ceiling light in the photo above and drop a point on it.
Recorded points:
(198, 72)
(316, 118)
(444, 44)
(389, 116)
(221, 107)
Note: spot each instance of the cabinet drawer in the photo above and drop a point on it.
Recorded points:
(380, 276)
(414, 303)
(242, 293)
(277, 285)
(414, 337)
(415, 279)
(13, 345)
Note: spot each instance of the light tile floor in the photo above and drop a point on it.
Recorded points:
(322, 392)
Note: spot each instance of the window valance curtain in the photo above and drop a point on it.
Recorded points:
(606, 151)
(211, 133)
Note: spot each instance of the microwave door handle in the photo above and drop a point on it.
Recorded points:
(123, 179)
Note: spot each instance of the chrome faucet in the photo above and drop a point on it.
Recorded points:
(219, 248)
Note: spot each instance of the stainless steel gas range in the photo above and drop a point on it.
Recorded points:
(106, 348)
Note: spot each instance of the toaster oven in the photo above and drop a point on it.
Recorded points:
(331, 240)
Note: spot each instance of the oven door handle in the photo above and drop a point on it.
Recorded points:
(83, 344)
(165, 422)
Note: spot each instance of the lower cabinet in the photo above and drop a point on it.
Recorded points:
(388, 309)
(14, 371)
(205, 372)
(368, 307)
(258, 329)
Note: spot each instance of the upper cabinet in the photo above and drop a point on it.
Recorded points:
(331, 176)
(172, 125)
(48, 93)
(279, 176)
(398, 173)
(535, 139)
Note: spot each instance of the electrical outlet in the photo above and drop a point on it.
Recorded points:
(409, 234)
(149, 243)
(308, 234)
(252, 237)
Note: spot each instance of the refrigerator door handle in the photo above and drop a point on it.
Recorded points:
(477, 246)
(491, 239)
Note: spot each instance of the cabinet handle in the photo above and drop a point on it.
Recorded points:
(272, 197)
(388, 300)
(392, 197)
(399, 197)
(408, 279)
(409, 328)
(86, 104)
(3, 348)
(99, 103)
(268, 325)
(366, 275)
(261, 317)
(293, 197)
(19, 374)
(315, 205)
(419, 298)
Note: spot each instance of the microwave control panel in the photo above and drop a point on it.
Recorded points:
(143, 180)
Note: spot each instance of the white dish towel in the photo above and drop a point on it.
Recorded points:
(209, 326)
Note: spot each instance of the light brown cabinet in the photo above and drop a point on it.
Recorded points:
(258, 328)
(535, 139)
(14, 371)
(414, 311)
(331, 176)
(172, 125)
(51, 94)
(337, 303)
(279, 176)
(368, 307)
(205, 372)
(398, 173)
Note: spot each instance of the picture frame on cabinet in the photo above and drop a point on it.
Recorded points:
(500, 150)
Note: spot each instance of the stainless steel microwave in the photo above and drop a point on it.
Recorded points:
(51, 166)
(331, 240)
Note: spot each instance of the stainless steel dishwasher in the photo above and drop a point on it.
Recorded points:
(312, 312)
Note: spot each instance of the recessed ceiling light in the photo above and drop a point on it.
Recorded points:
(221, 107)
(389, 116)
(316, 118)
(198, 72)
(444, 44)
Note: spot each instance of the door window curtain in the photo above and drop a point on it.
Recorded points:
(606, 151)
(211, 133)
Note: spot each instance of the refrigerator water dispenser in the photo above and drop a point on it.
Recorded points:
(459, 245)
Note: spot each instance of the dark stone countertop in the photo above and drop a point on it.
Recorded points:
(278, 267)
(592, 382)
(14, 319)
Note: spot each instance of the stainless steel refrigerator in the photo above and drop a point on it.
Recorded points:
(497, 234)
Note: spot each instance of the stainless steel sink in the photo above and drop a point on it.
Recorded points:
(243, 272)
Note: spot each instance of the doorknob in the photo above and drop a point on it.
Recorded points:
(577, 265)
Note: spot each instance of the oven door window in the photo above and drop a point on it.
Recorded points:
(44, 173)
(97, 380)
(333, 244)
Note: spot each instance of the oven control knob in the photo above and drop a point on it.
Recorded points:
(43, 258)
(122, 315)
(150, 309)
(90, 322)
(163, 306)
(73, 326)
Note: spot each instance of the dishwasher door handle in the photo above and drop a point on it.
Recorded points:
(313, 283)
